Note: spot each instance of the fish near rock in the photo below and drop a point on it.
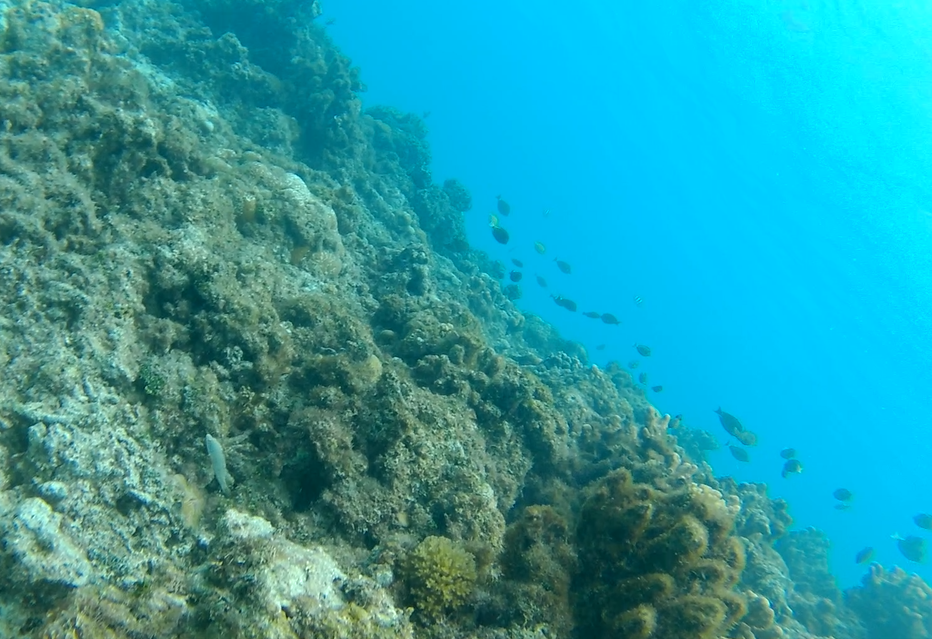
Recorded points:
(515, 276)
(913, 548)
(218, 462)
(864, 555)
(729, 422)
(747, 438)
(739, 453)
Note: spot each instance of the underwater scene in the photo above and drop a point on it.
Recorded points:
(349, 319)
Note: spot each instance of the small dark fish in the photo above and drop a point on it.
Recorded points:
(592, 314)
(600, 347)
(791, 466)
(923, 520)
(913, 548)
(788, 453)
(644, 351)
(746, 437)
(676, 422)
(642, 378)
(517, 263)
(739, 453)
(541, 281)
(633, 364)
(638, 301)
(501, 235)
(842, 494)
(864, 555)
(568, 304)
(503, 207)
(563, 266)
(729, 422)
(608, 318)
(656, 389)
(515, 276)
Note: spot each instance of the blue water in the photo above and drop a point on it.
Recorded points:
(759, 174)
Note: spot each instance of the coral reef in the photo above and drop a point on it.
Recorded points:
(814, 597)
(892, 604)
(202, 235)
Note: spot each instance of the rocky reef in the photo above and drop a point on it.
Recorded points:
(201, 236)
(892, 604)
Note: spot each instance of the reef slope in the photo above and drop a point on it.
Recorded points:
(204, 235)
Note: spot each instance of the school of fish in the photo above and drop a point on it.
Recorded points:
(912, 547)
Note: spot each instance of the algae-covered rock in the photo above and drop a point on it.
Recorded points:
(538, 563)
(892, 604)
(441, 576)
(645, 558)
(287, 589)
(458, 194)
(398, 137)
(40, 547)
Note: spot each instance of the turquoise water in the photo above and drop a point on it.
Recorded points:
(756, 172)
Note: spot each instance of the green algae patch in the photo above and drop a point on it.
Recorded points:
(441, 576)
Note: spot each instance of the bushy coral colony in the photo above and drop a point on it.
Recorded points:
(204, 239)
